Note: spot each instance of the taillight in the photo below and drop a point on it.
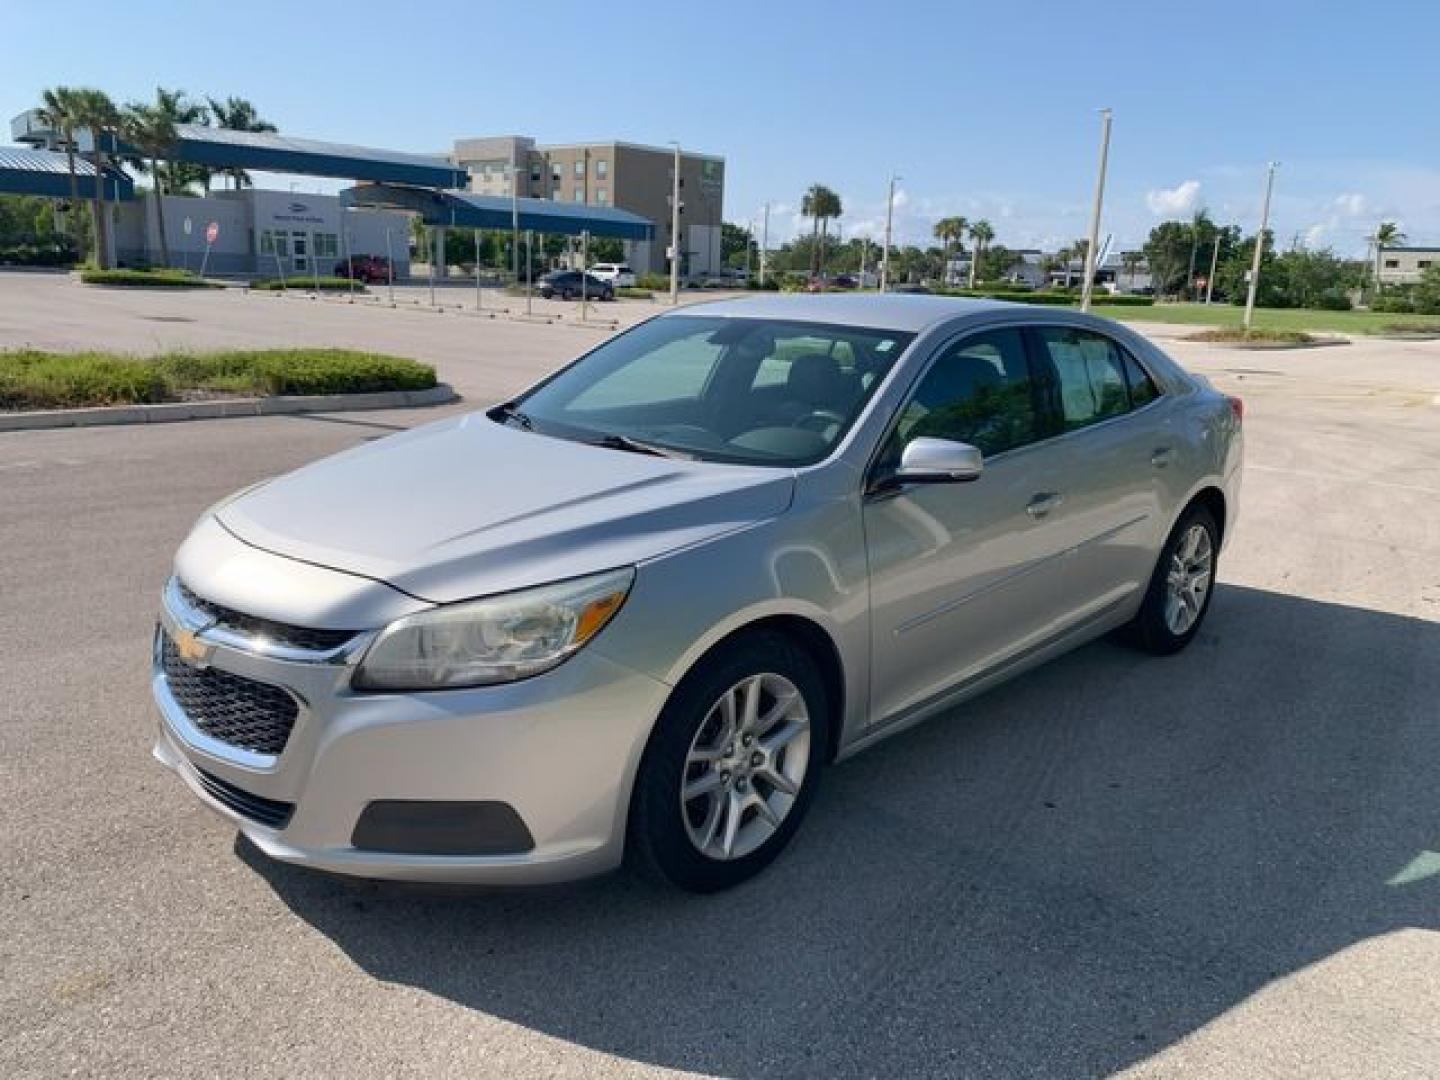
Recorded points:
(1237, 407)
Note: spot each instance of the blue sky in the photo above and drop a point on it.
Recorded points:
(986, 109)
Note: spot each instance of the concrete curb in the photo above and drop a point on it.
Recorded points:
(215, 410)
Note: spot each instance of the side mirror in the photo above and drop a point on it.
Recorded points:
(938, 461)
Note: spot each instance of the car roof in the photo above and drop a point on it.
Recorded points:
(883, 311)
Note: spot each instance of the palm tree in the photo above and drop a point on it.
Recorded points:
(179, 109)
(1132, 260)
(58, 112)
(948, 231)
(95, 112)
(1076, 252)
(1202, 230)
(982, 233)
(1387, 234)
(151, 132)
(237, 114)
(820, 204)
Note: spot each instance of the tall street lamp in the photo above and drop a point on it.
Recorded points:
(675, 228)
(1259, 247)
(1091, 249)
(889, 219)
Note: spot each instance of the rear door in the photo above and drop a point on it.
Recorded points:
(1113, 437)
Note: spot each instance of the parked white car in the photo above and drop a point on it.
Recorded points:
(619, 275)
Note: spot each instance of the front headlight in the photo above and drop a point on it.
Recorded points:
(495, 640)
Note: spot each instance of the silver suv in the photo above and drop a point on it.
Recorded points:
(637, 610)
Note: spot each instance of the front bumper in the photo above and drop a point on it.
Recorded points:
(560, 749)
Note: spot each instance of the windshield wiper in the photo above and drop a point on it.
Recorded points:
(509, 411)
(615, 441)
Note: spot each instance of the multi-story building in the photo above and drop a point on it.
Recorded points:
(620, 174)
(1405, 265)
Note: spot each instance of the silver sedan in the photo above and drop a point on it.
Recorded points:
(634, 613)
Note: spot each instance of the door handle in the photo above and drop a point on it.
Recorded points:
(1160, 456)
(1043, 503)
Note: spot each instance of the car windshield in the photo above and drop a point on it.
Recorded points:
(754, 391)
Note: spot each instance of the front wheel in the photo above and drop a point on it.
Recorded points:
(1180, 588)
(732, 765)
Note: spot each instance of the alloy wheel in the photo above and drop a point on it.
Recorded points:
(1188, 580)
(745, 767)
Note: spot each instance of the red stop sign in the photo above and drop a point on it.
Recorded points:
(212, 232)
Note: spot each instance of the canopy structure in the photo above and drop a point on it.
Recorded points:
(465, 210)
(268, 151)
(43, 172)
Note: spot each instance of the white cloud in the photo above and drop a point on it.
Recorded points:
(1352, 204)
(1170, 202)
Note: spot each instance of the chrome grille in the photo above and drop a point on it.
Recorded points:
(252, 715)
(295, 637)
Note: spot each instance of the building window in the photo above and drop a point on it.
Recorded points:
(557, 173)
(275, 243)
(327, 245)
(535, 173)
(579, 166)
(602, 196)
(1392, 264)
(1425, 264)
(602, 168)
(579, 195)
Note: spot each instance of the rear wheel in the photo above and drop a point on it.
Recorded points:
(1180, 588)
(732, 765)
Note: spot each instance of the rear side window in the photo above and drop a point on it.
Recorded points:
(978, 391)
(1089, 372)
(1142, 388)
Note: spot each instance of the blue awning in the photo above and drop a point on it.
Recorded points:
(465, 210)
(24, 171)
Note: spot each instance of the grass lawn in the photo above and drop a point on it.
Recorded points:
(31, 379)
(1342, 322)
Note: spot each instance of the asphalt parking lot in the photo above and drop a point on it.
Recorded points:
(1223, 863)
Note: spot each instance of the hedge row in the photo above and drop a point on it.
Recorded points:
(31, 379)
(161, 279)
(324, 284)
(1051, 297)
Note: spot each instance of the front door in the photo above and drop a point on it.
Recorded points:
(963, 575)
(300, 251)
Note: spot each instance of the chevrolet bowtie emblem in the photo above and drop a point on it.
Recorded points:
(192, 650)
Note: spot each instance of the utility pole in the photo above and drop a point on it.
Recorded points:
(514, 220)
(889, 220)
(1259, 247)
(1214, 265)
(749, 243)
(764, 242)
(675, 229)
(1092, 248)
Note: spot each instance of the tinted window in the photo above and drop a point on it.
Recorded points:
(978, 391)
(1142, 387)
(1089, 373)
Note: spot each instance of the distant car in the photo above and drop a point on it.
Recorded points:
(567, 285)
(910, 287)
(844, 281)
(620, 275)
(371, 269)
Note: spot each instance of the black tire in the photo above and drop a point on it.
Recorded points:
(658, 844)
(1150, 630)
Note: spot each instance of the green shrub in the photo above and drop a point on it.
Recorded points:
(324, 284)
(164, 279)
(30, 379)
(655, 282)
(635, 293)
(1393, 303)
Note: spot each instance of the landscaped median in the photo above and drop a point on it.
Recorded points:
(147, 279)
(302, 283)
(47, 389)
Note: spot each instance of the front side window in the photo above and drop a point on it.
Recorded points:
(754, 391)
(977, 391)
(1089, 375)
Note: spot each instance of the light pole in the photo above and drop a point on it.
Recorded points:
(1259, 247)
(1214, 264)
(1092, 248)
(675, 228)
(764, 242)
(889, 220)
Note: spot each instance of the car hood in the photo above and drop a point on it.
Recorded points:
(467, 506)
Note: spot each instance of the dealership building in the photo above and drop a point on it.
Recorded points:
(247, 231)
